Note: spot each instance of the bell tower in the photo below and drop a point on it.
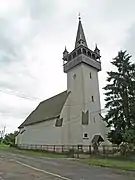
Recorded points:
(82, 66)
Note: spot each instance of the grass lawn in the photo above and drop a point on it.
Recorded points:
(4, 147)
(110, 162)
(30, 152)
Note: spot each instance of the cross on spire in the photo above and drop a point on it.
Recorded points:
(79, 17)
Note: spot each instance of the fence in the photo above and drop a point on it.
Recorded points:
(73, 150)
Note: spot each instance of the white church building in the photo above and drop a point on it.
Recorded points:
(72, 117)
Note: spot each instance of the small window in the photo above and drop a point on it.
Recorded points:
(59, 122)
(90, 76)
(94, 119)
(79, 51)
(92, 98)
(69, 58)
(93, 56)
(74, 54)
(74, 76)
(85, 135)
(84, 51)
(89, 54)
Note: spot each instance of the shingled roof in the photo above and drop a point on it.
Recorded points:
(46, 110)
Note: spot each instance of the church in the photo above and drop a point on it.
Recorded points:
(72, 117)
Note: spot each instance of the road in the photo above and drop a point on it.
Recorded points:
(24, 167)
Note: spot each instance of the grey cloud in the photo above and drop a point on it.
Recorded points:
(7, 46)
(40, 9)
(129, 44)
(19, 111)
(114, 10)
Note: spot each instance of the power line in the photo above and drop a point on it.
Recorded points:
(19, 95)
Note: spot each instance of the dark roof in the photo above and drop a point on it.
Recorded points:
(80, 36)
(46, 110)
(97, 139)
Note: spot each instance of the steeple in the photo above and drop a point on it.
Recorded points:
(81, 53)
(65, 53)
(97, 50)
(80, 38)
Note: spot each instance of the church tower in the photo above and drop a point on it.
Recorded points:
(83, 107)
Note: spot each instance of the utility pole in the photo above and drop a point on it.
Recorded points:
(2, 134)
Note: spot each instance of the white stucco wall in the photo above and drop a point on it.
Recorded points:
(82, 89)
(72, 131)
(41, 133)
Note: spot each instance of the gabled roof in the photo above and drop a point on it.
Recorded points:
(97, 138)
(46, 110)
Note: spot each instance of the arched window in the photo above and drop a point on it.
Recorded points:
(85, 135)
(84, 51)
(74, 76)
(79, 51)
(92, 98)
(90, 75)
(93, 56)
(74, 54)
(69, 58)
(89, 54)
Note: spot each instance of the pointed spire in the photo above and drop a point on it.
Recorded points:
(65, 49)
(65, 52)
(96, 46)
(80, 38)
(97, 50)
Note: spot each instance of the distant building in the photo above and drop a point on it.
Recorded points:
(72, 117)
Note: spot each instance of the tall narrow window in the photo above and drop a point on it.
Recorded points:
(85, 118)
(74, 76)
(90, 76)
(89, 54)
(92, 98)
(74, 54)
(84, 51)
(79, 51)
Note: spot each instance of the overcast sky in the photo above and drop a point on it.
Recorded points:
(33, 34)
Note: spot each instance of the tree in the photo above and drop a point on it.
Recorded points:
(120, 96)
(115, 136)
(9, 139)
(129, 136)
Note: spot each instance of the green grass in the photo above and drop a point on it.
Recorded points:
(110, 162)
(31, 152)
(4, 147)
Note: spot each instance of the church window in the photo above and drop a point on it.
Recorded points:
(92, 98)
(85, 118)
(93, 56)
(59, 122)
(79, 51)
(74, 76)
(85, 135)
(69, 58)
(74, 54)
(84, 51)
(90, 76)
(94, 119)
(89, 54)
